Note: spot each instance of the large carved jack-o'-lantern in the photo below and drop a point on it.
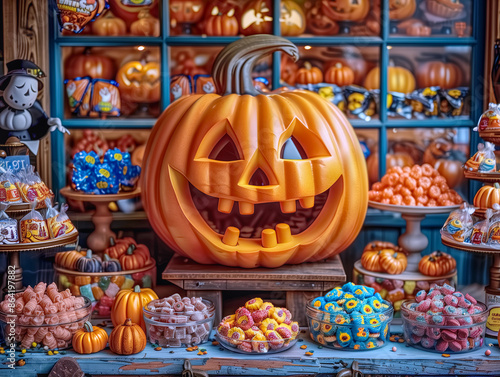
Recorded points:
(249, 179)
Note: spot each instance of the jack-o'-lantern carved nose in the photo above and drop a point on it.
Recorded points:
(259, 178)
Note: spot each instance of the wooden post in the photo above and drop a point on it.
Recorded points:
(26, 36)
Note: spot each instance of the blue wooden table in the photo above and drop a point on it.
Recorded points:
(218, 361)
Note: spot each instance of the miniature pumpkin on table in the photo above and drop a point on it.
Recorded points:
(118, 247)
(370, 259)
(393, 261)
(110, 264)
(135, 257)
(437, 263)
(129, 303)
(127, 338)
(339, 75)
(487, 195)
(89, 263)
(68, 259)
(89, 339)
(437, 73)
(262, 152)
(146, 25)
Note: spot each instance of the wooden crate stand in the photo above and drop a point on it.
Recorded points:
(301, 282)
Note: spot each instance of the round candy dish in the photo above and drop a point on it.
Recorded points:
(186, 322)
(50, 323)
(258, 327)
(101, 288)
(444, 323)
(352, 317)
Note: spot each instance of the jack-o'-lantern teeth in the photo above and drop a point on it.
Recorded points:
(272, 222)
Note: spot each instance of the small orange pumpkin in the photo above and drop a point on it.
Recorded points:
(220, 19)
(309, 75)
(135, 257)
(340, 75)
(88, 64)
(146, 25)
(109, 25)
(487, 195)
(400, 80)
(89, 339)
(393, 261)
(117, 248)
(129, 303)
(68, 259)
(370, 259)
(436, 73)
(437, 263)
(127, 338)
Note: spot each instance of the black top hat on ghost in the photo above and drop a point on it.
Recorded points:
(22, 67)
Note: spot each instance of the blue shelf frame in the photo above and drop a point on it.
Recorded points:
(165, 41)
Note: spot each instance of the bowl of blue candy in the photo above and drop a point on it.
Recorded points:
(351, 317)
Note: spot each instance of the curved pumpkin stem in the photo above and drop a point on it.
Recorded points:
(112, 241)
(232, 69)
(89, 254)
(128, 322)
(131, 249)
(106, 258)
(88, 326)
(137, 289)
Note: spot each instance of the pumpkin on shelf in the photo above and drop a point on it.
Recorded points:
(185, 13)
(129, 10)
(487, 195)
(89, 263)
(139, 81)
(318, 23)
(146, 25)
(88, 64)
(292, 19)
(308, 75)
(393, 261)
(346, 10)
(129, 303)
(399, 80)
(370, 259)
(401, 9)
(444, 8)
(68, 259)
(110, 264)
(118, 247)
(339, 75)
(256, 17)
(135, 257)
(89, 339)
(127, 338)
(220, 19)
(109, 25)
(307, 140)
(437, 263)
(436, 73)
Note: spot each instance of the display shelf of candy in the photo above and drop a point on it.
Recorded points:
(114, 173)
(441, 319)
(177, 321)
(122, 266)
(351, 317)
(258, 327)
(43, 315)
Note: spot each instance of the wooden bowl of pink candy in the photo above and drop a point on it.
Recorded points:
(444, 320)
(43, 316)
(177, 321)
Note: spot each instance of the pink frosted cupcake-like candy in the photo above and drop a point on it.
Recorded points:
(447, 289)
(455, 346)
(448, 335)
(441, 345)
(420, 296)
(415, 339)
(427, 342)
(462, 334)
(451, 300)
(434, 293)
(449, 310)
(452, 322)
(471, 299)
(437, 306)
(418, 330)
(424, 305)
(475, 331)
(433, 333)
(464, 303)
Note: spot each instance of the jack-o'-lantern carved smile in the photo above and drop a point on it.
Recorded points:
(249, 179)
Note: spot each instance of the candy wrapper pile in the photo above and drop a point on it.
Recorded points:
(114, 173)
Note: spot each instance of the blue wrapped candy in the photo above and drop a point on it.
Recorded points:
(342, 319)
(348, 287)
(130, 176)
(344, 336)
(105, 181)
(318, 303)
(359, 346)
(357, 318)
(83, 181)
(332, 307)
(366, 308)
(375, 304)
(116, 158)
(374, 325)
(359, 292)
(370, 344)
(352, 305)
(315, 325)
(328, 330)
(85, 161)
(334, 295)
(360, 334)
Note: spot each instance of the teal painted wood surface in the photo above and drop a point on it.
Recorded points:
(405, 361)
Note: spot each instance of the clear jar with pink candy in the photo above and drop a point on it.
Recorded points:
(444, 320)
(177, 321)
(42, 316)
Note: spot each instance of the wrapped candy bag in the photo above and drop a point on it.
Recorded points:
(452, 101)
(33, 226)
(483, 160)
(85, 161)
(396, 104)
(360, 102)
(8, 189)
(489, 119)
(75, 91)
(104, 98)
(8, 227)
(106, 181)
(459, 223)
(425, 102)
(74, 15)
(481, 229)
(58, 223)
(333, 94)
(25, 186)
(493, 235)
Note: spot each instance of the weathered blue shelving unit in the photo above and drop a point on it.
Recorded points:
(383, 124)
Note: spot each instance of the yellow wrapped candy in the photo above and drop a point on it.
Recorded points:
(268, 324)
(253, 304)
(236, 335)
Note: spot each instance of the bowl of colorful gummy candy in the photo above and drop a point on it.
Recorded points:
(444, 320)
(177, 321)
(258, 327)
(351, 317)
(42, 316)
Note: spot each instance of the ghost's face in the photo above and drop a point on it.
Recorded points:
(21, 92)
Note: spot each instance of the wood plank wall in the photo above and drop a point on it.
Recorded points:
(26, 36)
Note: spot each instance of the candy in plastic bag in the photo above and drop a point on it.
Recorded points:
(73, 15)
(483, 160)
(481, 228)
(85, 161)
(452, 101)
(104, 98)
(489, 119)
(58, 223)
(8, 227)
(8, 189)
(360, 102)
(33, 227)
(106, 181)
(425, 102)
(459, 223)
(333, 94)
(75, 91)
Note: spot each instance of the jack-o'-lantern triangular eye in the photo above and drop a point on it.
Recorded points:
(225, 150)
(292, 150)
